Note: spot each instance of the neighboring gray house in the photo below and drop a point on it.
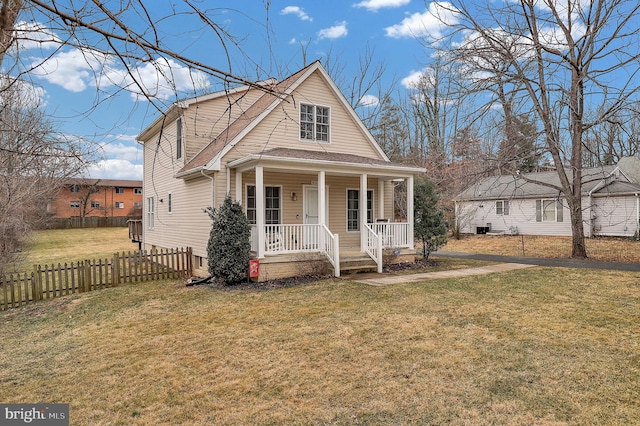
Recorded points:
(511, 204)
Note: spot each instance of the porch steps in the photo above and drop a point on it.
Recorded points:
(353, 264)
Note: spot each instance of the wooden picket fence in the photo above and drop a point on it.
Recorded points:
(50, 281)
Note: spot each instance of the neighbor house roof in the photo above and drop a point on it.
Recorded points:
(104, 182)
(623, 177)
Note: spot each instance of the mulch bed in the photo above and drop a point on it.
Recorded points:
(308, 279)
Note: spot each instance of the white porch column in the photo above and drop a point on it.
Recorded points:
(238, 186)
(362, 213)
(380, 198)
(410, 210)
(322, 199)
(260, 210)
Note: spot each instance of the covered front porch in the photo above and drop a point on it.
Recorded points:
(323, 207)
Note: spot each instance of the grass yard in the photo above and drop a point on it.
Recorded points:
(606, 249)
(71, 245)
(537, 346)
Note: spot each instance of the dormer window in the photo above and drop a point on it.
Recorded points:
(314, 123)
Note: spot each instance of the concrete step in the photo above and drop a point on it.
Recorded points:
(355, 264)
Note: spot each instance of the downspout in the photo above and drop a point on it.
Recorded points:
(212, 187)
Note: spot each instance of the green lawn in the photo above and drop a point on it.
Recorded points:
(537, 346)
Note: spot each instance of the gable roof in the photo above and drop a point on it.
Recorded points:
(209, 157)
(617, 179)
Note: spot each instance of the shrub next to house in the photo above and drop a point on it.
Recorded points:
(228, 250)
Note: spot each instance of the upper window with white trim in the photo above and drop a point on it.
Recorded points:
(314, 123)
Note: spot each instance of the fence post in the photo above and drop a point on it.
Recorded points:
(87, 275)
(115, 269)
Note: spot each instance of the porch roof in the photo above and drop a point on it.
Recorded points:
(306, 160)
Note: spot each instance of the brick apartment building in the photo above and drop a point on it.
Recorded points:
(97, 198)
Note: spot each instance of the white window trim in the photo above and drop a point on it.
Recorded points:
(150, 212)
(315, 124)
(246, 201)
(137, 191)
(373, 208)
(505, 203)
(556, 205)
(119, 204)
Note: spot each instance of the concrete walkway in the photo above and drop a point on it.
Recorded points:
(381, 280)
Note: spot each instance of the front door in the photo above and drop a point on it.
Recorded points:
(311, 234)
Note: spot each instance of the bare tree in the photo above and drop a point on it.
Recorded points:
(33, 162)
(561, 59)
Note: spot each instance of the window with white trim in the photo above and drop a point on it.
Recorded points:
(314, 123)
(119, 205)
(137, 191)
(272, 204)
(549, 211)
(502, 207)
(74, 204)
(74, 188)
(353, 208)
(179, 138)
(95, 204)
(150, 212)
(119, 190)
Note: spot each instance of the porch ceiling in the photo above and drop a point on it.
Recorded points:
(294, 160)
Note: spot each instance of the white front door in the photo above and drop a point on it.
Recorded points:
(311, 234)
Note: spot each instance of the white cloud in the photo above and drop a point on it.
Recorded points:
(76, 70)
(296, 10)
(115, 169)
(293, 41)
(428, 24)
(337, 31)
(369, 101)
(375, 5)
(121, 151)
(412, 80)
(32, 35)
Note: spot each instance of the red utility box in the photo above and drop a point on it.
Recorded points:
(254, 268)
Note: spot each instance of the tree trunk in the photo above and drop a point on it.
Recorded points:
(578, 247)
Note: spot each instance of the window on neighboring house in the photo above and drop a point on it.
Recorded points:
(549, 211)
(119, 205)
(137, 191)
(502, 207)
(119, 190)
(137, 204)
(314, 123)
(74, 204)
(74, 188)
(272, 202)
(169, 203)
(150, 212)
(353, 208)
(95, 204)
(179, 138)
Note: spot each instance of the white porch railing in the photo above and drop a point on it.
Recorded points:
(312, 238)
(374, 246)
(331, 248)
(394, 235)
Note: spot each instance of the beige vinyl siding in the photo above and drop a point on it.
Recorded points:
(206, 120)
(615, 216)
(522, 214)
(187, 225)
(280, 128)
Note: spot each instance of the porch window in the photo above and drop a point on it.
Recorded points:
(549, 211)
(314, 123)
(353, 208)
(272, 203)
(150, 212)
(502, 208)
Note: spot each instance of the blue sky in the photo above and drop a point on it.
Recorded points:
(271, 45)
